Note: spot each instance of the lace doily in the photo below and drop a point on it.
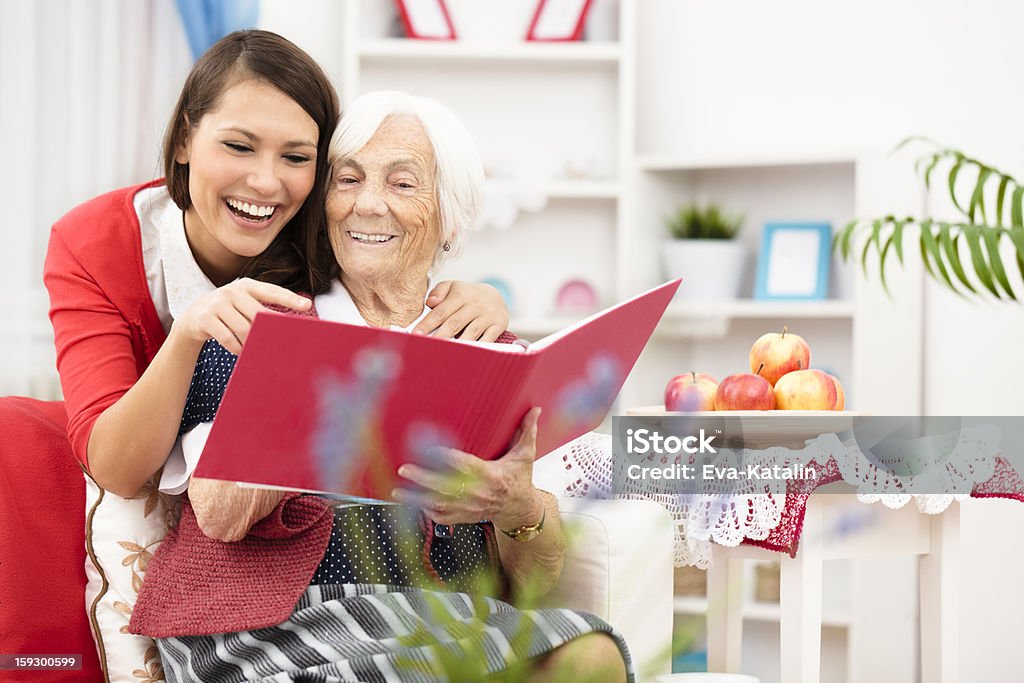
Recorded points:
(933, 471)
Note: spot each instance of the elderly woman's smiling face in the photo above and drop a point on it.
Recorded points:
(382, 208)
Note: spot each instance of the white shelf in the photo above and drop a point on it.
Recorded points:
(754, 309)
(653, 163)
(397, 49)
(757, 611)
(699, 319)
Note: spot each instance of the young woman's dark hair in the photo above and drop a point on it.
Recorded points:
(292, 260)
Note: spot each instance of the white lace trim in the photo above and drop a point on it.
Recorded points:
(950, 464)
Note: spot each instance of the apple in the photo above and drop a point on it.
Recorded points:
(840, 394)
(779, 354)
(805, 390)
(691, 392)
(745, 391)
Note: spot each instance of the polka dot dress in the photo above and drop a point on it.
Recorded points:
(209, 380)
(385, 544)
(397, 545)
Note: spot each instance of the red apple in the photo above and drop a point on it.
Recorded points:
(779, 354)
(744, 391)
(691, 392)
(840, 394)
(805, 390)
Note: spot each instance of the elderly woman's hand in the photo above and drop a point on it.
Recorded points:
(501, 491)
(474, 489)
(465, 310)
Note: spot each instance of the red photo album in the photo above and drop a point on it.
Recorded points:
(323, 406)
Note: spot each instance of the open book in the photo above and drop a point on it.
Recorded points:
(322, 406)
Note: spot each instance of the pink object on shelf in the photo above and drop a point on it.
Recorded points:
(576, 295)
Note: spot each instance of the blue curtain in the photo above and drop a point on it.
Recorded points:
(207, 21)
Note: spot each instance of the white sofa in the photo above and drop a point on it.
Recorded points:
(619, 567)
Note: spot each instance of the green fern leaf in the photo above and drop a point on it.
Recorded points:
(876, 230)
(978, 196)
(981, 268)
(932, 245)
(848, 231)
(897, 237)
(953, 173)
(1004, 181)
(991, 238)
(1017, 208)
(1016, 236)
(951, 247)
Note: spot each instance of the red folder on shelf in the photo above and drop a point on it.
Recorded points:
(323, 406)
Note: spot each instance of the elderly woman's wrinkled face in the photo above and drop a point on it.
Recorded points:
(382, 206)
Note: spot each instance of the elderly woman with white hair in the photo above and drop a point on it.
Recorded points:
(272, 586)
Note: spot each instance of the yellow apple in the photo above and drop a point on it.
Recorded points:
(840, 394)
(779, 354)
(805, 390)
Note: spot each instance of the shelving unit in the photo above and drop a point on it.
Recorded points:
(542, 112)
(715, 337)
(554, 121)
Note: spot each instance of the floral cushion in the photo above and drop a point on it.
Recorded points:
(121, 536)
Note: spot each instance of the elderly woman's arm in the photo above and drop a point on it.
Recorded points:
(225, 511)
(533, 566)
(501, 491)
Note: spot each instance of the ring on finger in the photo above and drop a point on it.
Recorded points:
(457, 494)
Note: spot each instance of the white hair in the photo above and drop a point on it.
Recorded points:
(459, 171)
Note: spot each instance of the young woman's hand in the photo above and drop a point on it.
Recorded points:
(226, 314)
(464, 310)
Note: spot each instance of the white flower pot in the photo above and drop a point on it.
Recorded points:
(712, 270)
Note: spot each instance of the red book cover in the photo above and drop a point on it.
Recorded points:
(323, 406)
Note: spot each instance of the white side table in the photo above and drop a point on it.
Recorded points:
(837, 526)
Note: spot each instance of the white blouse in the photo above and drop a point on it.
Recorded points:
(175, 279)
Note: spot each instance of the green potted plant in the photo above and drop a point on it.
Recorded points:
(965, 253)
(703, 252)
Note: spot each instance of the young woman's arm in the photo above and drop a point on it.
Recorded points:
(123, 416)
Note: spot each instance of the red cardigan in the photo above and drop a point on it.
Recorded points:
(105, 325)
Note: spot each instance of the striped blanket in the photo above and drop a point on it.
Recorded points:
(376, 633)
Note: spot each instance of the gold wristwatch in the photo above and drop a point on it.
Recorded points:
(527, 532)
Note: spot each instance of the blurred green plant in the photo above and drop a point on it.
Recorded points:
(694, 222)
(991, 211)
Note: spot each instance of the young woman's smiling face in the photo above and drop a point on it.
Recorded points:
(252, 163)
(382, 207)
